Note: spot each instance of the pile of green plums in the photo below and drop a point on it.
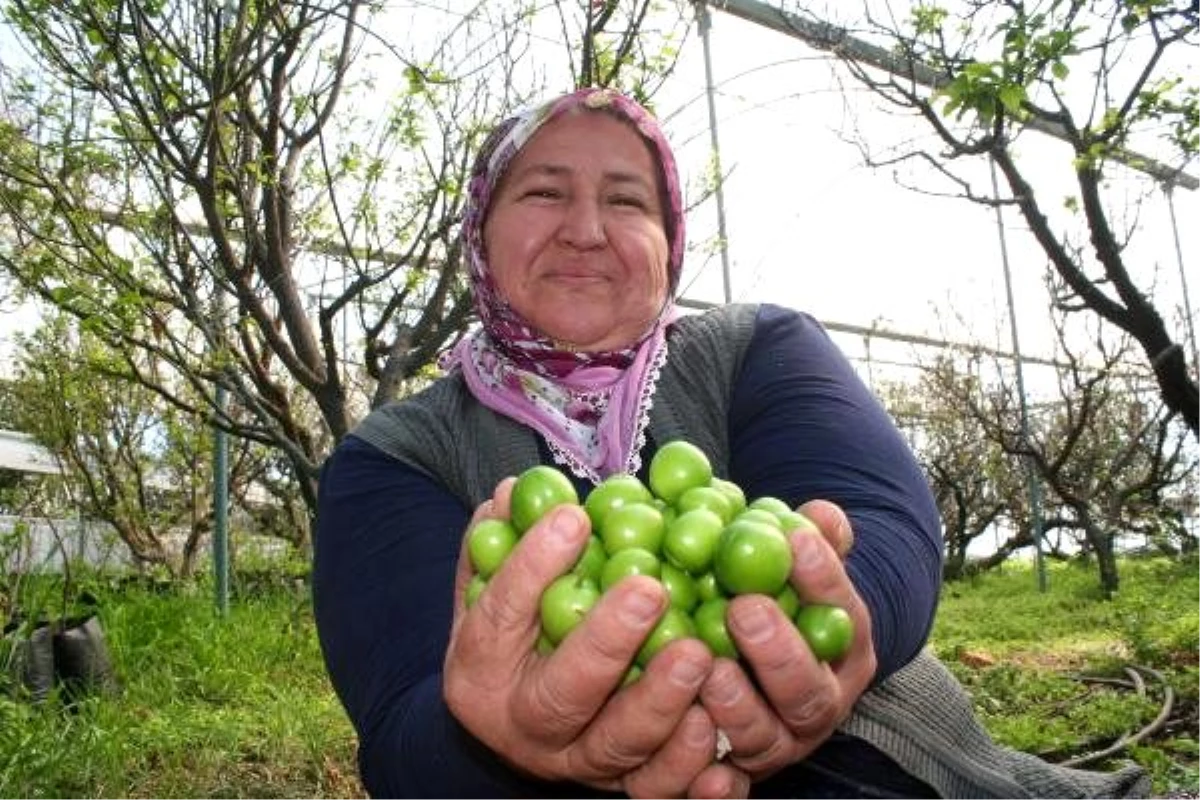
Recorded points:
(693, 531)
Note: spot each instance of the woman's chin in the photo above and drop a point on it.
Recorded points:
(585, 338)
(589, 326)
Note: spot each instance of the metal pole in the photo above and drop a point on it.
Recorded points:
(705, 23)
(824, 36)
(220, 543)
(1034, 486)
(1187, 302)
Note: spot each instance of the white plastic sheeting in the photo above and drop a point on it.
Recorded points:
(19, 451)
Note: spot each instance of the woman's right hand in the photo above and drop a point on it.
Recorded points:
(794, 701)
(563, 716)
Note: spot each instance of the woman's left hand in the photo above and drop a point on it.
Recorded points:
(798, 701)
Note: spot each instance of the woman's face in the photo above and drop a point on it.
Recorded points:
(575, 236)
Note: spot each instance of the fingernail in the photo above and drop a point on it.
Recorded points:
(845, 537)
(696, 734)
(753, 622)
(564, 526)
(808, 551)
(687, 673)
(639, 607)
(723, 692)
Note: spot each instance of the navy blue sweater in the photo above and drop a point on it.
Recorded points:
(802, 425)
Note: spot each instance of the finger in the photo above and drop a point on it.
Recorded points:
(720, 780)
(803, 692)
(818, 574)
(506, 613)
(671, 771)
(565, 692)
(760, 742)
(833, 523)
(502, 497)
(820, 577)
(494, 507)
(609, 637)
(639, 721)
(462, 576)
(497, 506)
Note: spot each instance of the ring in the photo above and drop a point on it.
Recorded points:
(724, 747)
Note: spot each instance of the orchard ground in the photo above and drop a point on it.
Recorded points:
(240, 706)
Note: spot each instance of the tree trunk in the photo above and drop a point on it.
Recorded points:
(952, 566)
(1101, 542)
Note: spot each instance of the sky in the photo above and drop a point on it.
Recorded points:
(810, 226)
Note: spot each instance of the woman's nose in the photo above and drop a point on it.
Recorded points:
(582, 225)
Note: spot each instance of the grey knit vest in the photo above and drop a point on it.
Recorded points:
(444, 430)
(920, 716)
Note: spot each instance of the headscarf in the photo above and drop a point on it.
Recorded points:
(591, 407)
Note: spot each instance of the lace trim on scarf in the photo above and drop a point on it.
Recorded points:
(633, 461)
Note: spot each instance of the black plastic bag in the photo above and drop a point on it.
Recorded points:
(82, 663)
(71, 654)
(31, 666)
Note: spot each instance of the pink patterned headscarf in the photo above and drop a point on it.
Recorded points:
(591, 407)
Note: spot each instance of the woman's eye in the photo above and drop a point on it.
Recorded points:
(547, 192)
(627, 200)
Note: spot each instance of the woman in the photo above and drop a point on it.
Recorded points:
(574, 235)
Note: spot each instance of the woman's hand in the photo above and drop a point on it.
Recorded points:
(798, 701)
(564, 716)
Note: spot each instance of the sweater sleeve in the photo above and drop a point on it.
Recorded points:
(386, 545)
(804, 426)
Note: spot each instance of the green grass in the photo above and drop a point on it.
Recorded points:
(1029, 659)
(241, 706)
(208, 707)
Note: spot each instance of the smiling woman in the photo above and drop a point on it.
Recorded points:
(573, 236)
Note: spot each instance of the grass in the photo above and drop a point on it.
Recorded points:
(241, 707)
(1043, 667)
(208, 707)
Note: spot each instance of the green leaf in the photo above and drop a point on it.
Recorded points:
(1012, 97)
(64, 295)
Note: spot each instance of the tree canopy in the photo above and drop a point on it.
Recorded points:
(1110, 80)
(265, 197)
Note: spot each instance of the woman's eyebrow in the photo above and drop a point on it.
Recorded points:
(620, 176)
(542, 168)
(549, 169)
